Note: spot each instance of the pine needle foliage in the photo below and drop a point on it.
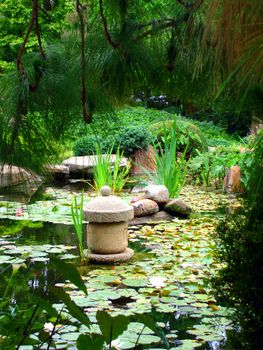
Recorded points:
(130, 48)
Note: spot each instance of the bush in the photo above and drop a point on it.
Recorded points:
(86, 145)
(188, 134)
(240, 249)
(133, 138)
(209, 166)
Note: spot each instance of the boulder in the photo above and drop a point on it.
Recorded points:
(157, 193)
(232, 180)
(138, 189)
(161, 216)
(178, 207)
(145, 207)
(57, 172)
(16, 180)
(85, 164)
(143, 160)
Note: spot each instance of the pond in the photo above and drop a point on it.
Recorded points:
(179, 252)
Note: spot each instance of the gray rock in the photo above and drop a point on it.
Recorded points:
(138, 189)
(57, 169)
(157, 193)
(161, 216)
(145, 207)
(16, 180)
(178, 207)
(87, 163)
(57, 172)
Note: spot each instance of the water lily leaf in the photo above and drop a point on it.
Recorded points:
(68, 257)
(39, 259)
(70, 336)
(134, 282)
(188, 344)
(148, 339)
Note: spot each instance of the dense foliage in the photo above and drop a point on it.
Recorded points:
(187, 134)
(240, 248)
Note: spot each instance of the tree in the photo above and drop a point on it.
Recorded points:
(118, 47)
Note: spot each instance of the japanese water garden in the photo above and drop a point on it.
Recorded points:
(131, 174)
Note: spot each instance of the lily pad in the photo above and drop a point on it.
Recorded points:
(134, 282)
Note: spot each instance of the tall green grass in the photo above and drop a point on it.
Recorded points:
(77, 217)
(104, 174)
(170, 171)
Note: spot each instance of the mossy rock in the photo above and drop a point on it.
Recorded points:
(187, 133)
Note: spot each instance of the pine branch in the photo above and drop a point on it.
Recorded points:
(165, 25)
(171, 23)
(86, 115)
(191, 6)
(39, 72)
(106, 30)
(19, 62)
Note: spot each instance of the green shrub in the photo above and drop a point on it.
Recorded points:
(86, 145)
(132, 138)
(209, 166)
(188, 134)
(239, 250)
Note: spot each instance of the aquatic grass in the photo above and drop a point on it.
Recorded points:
(77, 217)
(104, 174)
(170, 171)
(119, 174)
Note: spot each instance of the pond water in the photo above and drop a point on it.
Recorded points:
(180, 251)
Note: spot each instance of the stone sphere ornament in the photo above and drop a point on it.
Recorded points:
(107, 230)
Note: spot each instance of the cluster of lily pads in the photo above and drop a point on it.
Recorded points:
(169, 276)
(57, 208)
(167, 279)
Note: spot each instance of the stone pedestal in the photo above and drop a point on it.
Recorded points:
(107, 231)
(108, 238)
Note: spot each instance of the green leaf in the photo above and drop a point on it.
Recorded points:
(111, 327)
(73, 309)
(69, 272)
(90, 342)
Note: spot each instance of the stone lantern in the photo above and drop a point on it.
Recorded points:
(107, 230)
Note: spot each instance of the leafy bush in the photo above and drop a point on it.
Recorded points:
(240, 251)
(209, 166)
(86, 145)
(187, 134)
(133, 138)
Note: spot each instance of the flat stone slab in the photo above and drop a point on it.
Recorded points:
(111, 258)
(87, 163)
(57, 169)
